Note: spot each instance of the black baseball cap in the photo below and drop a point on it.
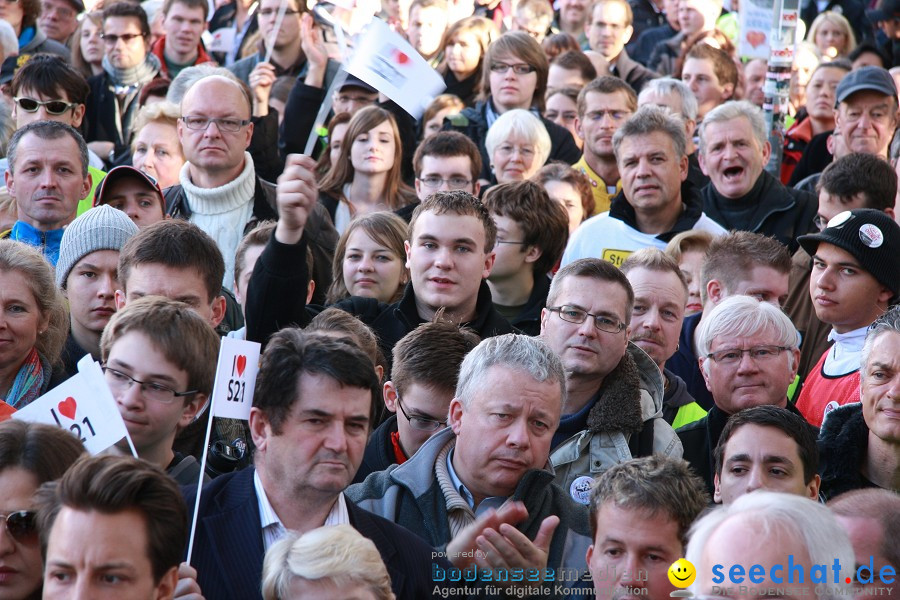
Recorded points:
(866, 78)
(354, 81)
(885, 10)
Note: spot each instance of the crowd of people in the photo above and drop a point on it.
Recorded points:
(568, 326)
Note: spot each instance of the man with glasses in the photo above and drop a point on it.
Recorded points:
(748, 356)
(159, 360)
(609, 28)
(128, 66)
(59, 18)
(855, 278)
(47, 88)
(857, 180)
(614, 391)
(423, 378)
(445, 161)
(867, 112)
(532, 231)
(656, 202)
(220, 191)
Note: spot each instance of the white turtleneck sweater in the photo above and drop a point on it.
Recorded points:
(224, 211)
(844, 356)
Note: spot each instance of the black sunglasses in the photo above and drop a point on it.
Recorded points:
(54, 107)
(21, 525)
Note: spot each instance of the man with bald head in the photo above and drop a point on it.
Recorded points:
(219, 190)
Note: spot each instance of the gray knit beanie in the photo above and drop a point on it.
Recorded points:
(100, 228)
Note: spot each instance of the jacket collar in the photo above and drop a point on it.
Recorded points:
(484, 308)
(692, 210)
(618, 405)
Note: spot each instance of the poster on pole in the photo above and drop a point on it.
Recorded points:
(83, 405)
(755, 26)
(389, 64)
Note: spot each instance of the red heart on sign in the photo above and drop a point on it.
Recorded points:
(241, 364)
(67, 407)
(756, 38)
(400, 57)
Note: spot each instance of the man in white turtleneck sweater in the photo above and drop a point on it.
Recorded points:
(219, 190)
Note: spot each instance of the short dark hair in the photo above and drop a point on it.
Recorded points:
(128, 9)
(862, 173)
(592, 268)
(335, 320)
(202, 4)
(291, 353)
(544, 222)
(446, 144)
(430, 355)
(177, 244)
(460, 203)
(606, 84)
(723, 66)
(868, 48)
(31, 10)
(116, 484)
(658, 484)
(792, 425)
(48, 75)
(47, 130)
(44, 451)
(575, 60)
(732, 256)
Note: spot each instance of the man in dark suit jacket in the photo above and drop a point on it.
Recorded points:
(312, 413)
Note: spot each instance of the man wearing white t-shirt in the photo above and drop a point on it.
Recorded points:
(656, 201)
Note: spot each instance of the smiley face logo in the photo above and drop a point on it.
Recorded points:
(682, 573)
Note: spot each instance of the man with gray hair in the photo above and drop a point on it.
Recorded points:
(859, 444)
(675, 95)
(655, 204)
(47, 177)
(741, 195)
(748, 357)
(220, 191)
(791, 540)
(482, 487)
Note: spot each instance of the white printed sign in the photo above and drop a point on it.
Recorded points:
(84, 405)
(755, 25)
(388, 63)
(235, 379)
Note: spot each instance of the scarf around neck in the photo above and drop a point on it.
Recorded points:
(137, 75)
(29, 381)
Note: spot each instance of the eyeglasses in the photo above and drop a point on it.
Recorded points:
(361, 100)
(120, 382)
(54, 107)
(510, 242)
(12, 1)
(202, 123)
(270, 12)
(21, 526)
(520, 69)
(733, 356)
(578, 316)
(525, 152)
(454, 183)
(110, 39)
(61, 11)
(421, 423)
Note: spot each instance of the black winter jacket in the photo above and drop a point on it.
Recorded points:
(769, 208)
(843, 443)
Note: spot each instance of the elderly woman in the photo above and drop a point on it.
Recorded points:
(335, 562)
(514, 76)
(155, 148)
(30, 454)
(33, 325)
(518, 144)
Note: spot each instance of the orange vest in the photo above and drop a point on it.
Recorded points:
(823, 393)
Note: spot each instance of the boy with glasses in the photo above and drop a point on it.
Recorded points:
(445, 161)
(159, 360)
(426, 367)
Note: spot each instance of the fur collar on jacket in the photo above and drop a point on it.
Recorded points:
(618, 405)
